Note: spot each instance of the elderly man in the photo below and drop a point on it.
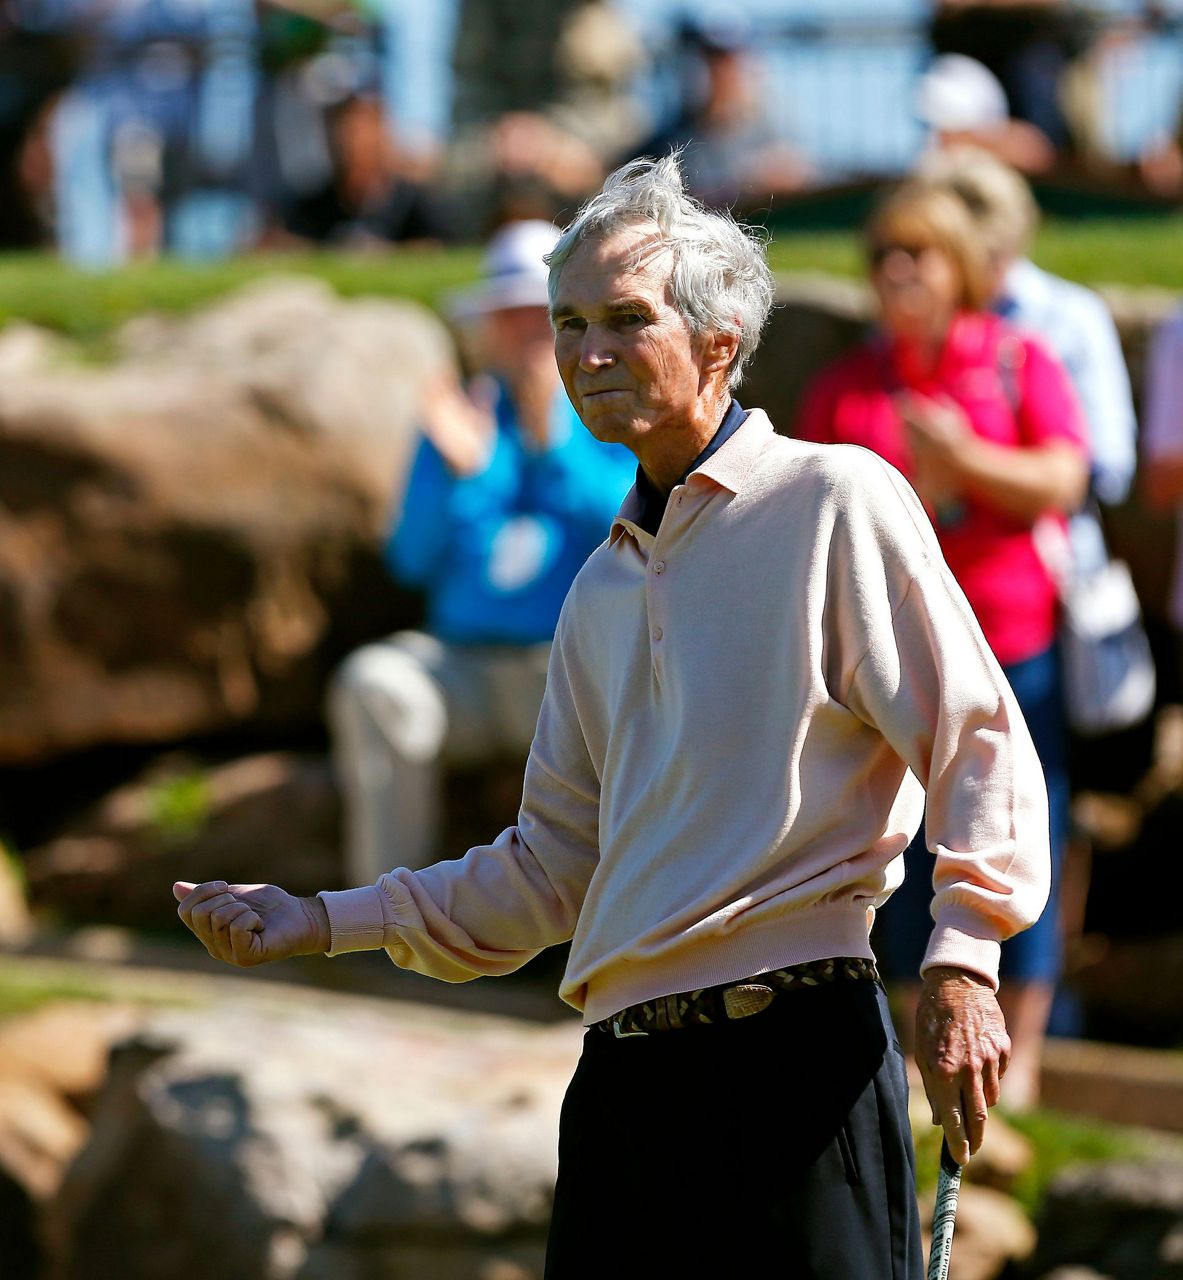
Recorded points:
(507, 496)
(753, 681)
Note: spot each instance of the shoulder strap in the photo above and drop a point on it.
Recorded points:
(1011, 356)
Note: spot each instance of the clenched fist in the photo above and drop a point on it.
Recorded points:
(250, 924)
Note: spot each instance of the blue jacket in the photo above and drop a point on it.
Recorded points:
(495, 552)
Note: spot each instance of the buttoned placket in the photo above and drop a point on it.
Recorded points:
(657, 583)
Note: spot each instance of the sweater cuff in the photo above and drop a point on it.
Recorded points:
(956, 949)
(358, 919)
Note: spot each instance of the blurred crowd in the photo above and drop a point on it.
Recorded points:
(130, 128)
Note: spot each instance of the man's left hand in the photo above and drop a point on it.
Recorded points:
(962, 1050)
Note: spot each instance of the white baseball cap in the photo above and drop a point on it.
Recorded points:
(515, 274)
(958, 94)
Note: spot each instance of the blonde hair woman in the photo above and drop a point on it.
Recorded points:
(983, 422)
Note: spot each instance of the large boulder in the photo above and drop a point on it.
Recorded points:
(52, 1062)
(189, 537)
(267, 816)
(303, 1138)
(1125, 1220)
(271, 817)
(16, 924)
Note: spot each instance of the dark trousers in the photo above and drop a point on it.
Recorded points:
(777, 1145)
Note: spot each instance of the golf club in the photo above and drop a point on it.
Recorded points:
(943, 1215)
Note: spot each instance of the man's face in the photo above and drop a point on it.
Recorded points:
(626, 356)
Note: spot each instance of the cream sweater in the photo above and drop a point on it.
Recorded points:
(741, 720)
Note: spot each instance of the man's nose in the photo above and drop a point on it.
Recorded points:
(595, 352)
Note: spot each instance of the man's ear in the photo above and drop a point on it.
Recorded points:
(720, 351)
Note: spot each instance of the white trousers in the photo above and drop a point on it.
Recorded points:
(401, 709)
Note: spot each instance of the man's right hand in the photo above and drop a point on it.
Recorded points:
(250, 924)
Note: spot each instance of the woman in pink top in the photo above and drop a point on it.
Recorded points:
(983, 422)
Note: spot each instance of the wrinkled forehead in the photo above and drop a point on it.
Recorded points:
(636, 254)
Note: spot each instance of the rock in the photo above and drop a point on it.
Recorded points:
(1004, 1156)
(264, 818)
(325, 1139)
(39, 1135)
(1118, 1084)
(1132, 988)
(51, 1062)
(188, 540)
(16, 924)
(340, 372)
(508, 1261)
(1123, 1219)
(25, 348)
(991, 1234)
(816, 319)
(63, 1046)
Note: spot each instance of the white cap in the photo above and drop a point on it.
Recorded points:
(515, 274)
(958, 94)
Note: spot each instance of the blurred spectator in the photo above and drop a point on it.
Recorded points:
(1162, 448)
(1070, 319)
(599, 57)
(984, 423)
(505, 57)
(731, 154)
(1078, 328)
(374, 193)
(151, 141)
(507, 496)
(34, 68)
(537, 127)
(962, 102)
(1029, 46)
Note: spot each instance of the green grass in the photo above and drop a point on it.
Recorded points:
(22, 990)
(1143, 251)
(1058, 1141)
(179, 806)
(90, 305)
(28, 984)
(1148, 251)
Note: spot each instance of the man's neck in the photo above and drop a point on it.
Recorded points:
(666, 468)
(653, 502)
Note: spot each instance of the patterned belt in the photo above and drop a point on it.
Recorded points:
(733, 1000)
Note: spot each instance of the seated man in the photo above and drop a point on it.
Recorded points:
(507, 497)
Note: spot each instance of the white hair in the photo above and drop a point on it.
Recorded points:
(720, 280)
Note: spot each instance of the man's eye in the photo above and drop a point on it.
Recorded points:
(570, 324)
(630, 319)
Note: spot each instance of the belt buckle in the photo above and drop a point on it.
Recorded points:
(620, 1033)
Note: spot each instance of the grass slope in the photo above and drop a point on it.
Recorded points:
(89, 305)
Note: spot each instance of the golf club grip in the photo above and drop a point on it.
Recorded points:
(943, 1215)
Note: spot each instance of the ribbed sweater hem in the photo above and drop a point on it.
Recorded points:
(815, 933)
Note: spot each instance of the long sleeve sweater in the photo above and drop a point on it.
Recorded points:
(742, 716)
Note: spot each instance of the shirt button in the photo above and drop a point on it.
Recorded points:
(657, 633)
(659, 567)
